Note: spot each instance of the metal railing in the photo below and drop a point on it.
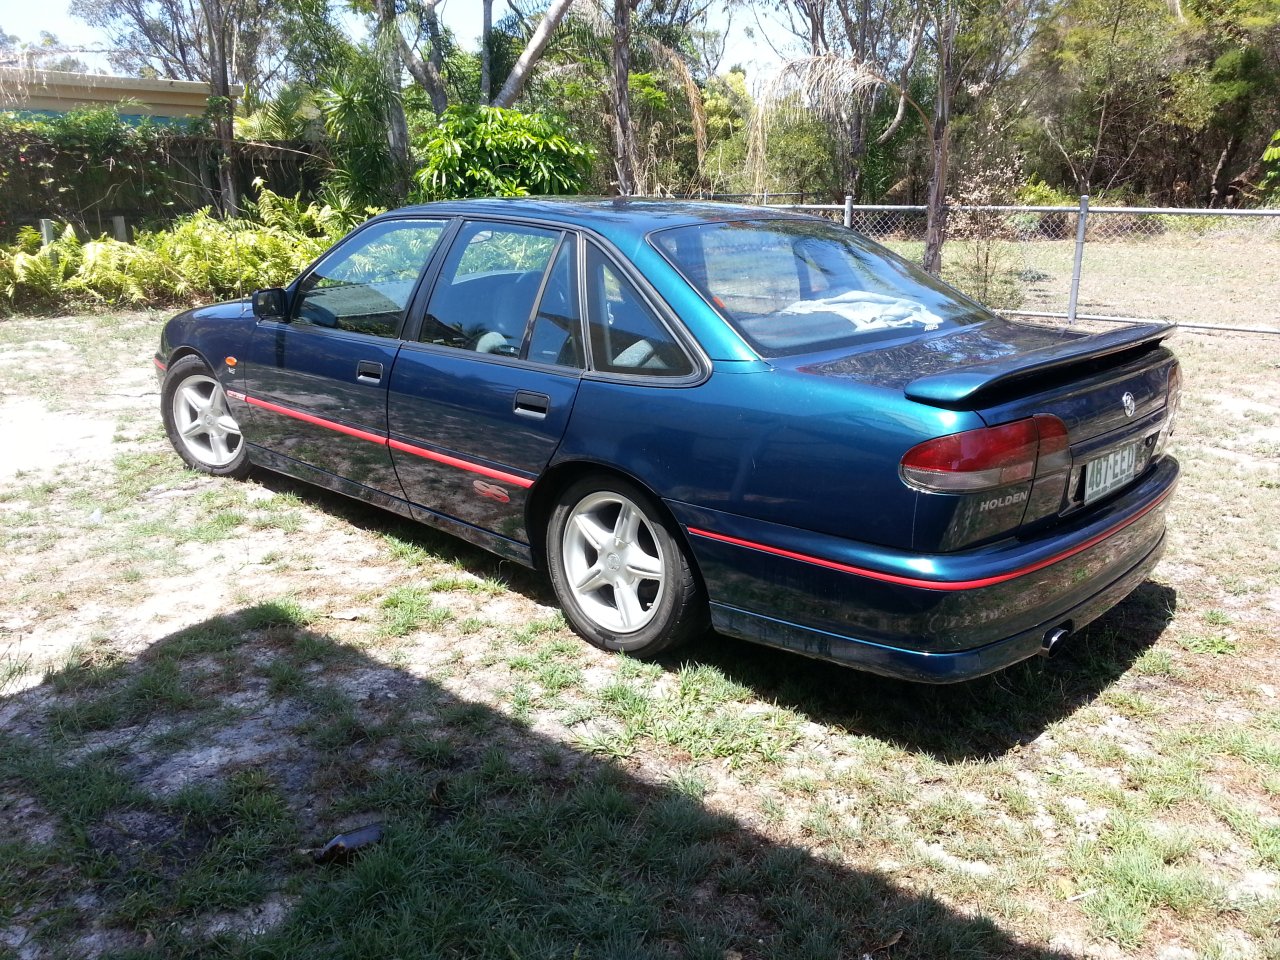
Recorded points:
(1203, 269)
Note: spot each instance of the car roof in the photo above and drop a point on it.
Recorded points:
(618, 218)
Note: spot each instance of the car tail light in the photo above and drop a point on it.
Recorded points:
(1172, 400)
(988, 458)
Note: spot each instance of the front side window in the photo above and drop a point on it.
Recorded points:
(365, 285)
(791, 286)
(626, 335)
(487, 287)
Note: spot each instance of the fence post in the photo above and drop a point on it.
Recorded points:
(120, 230)
(48, 234)
(1082, 220)
(764, 201)
(848, 210)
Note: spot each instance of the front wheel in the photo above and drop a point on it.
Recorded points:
(619, 570)
(198, 421)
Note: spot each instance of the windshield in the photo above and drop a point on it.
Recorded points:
(793, 286)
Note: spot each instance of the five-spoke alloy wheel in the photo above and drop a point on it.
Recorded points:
(619, 569)
(199, 423)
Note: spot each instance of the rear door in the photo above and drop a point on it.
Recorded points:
(479, 401)
(317, 381)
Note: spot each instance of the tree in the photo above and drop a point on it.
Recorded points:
(194, 39)
(663, 140)
(218, 42)
(486, 50)
(624, 140)
(1167, 102)
(854, 59)
(47, 53)
(531, 54)
(422, 42)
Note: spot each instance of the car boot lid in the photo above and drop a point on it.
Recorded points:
(960, 388)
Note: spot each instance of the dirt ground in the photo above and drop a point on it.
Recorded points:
(170, 634)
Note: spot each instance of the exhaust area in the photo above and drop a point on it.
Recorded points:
(1049, 646)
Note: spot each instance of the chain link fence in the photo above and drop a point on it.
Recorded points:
(1214, 269)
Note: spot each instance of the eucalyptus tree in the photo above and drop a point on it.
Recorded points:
(859, 51)
(218, 42)
(623, 71)
(415, 27)
(1171, 101)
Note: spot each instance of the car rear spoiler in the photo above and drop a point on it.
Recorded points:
(957, 389)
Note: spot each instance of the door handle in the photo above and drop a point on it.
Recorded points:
(531, 405)
(368, 372)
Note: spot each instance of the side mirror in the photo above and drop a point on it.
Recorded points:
(270, 304)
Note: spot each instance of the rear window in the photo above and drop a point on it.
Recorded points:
(793, 286)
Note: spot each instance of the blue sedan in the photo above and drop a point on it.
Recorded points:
(698, 415)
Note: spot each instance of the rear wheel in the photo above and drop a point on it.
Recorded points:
(199, 422)
(620, 571)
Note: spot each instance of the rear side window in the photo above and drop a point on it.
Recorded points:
(487, 287)
(626, 336)
(556, 336)
(791, 286)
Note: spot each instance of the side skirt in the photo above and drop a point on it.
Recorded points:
(278, 463)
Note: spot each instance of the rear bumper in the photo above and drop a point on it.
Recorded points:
(923, 666)
(938, 618)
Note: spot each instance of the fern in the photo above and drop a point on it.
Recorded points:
(198, 257)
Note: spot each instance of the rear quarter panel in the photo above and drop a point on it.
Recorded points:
(772, 445)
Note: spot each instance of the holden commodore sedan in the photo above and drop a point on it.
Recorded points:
(696, 415)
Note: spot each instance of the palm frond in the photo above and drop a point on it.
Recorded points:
(828, 85)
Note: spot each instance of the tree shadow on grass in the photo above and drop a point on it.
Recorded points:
(980, 719)
(159, 807)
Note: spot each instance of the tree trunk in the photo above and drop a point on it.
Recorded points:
(397, 132)
(220, 83)
(425, 72)
(623, 134)
(946, 23)
(389, 50)
(532, 52)
(486, 53)
(936, 226)
(1221, 173)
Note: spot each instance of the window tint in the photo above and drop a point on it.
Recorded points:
(365, 285)
(556, 336)
(626, 337)
(487, 287)
(795, 285)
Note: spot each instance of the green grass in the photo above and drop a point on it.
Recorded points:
(1139, 866)
(407, 609)
(541, 798)
(1213, 644)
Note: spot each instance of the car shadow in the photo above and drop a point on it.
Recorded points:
(976, 720)
(162, 805)
(979, 719)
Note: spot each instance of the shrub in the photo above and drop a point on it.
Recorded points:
(199, 257)
(492, 152)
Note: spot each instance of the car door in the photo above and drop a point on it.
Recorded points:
(478, 403)
(317, 379)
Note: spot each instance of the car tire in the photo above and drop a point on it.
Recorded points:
(199, 422)
(620, 570)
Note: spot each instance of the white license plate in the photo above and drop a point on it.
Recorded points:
(1111, 472)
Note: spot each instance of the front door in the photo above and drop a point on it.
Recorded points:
(479, 402)
(317, 382)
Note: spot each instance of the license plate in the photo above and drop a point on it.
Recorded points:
(1111, 472)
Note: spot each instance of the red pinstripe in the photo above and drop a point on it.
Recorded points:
(386, 441)
(934, 584)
